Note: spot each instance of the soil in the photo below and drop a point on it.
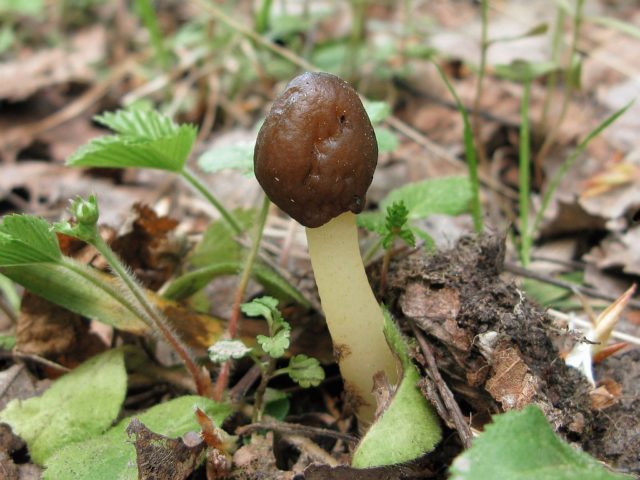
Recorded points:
(497, 351)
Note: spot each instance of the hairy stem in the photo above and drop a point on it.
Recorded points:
(154, 317)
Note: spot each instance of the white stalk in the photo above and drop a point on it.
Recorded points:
(353, 315)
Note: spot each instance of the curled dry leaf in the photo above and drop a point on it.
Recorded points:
(158, 456)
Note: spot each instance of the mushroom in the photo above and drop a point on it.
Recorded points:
(315, 157)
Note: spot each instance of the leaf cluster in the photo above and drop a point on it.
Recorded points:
(303, 370)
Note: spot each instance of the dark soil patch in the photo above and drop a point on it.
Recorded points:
(497, 350)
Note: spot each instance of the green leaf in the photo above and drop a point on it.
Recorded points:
(624, 27)
(470, 154)
(574, 74)
(79, 288)
(145, 139)
(219, 254)
(445, 196)
(276, 345)
(520, 445)
(305, 371)
(237, 157)
(277, 404)
(266, 307)
(522, 71)
(396, 225)
(387, 140)
(224, 350)
(218, 243)
(7, 342)
(8, 289)
(25, 239)
(189, 283)
(7, 37)
(535, 31)
(409, 427)
(78, 406)
(21, 7)
(112, 456)
(377, 111)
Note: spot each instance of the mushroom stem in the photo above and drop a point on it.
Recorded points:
(353, 315)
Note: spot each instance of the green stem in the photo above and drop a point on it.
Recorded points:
(553, 75)
(232, 329)
(267, 375)
(8, 289)
(568, 90)
(484, 47)
(262, 20)
(193, 179)
(524, 181)
(470, 153)
(153, 316)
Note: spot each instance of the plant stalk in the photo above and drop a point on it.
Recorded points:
(484, 47)
(524, 180)
(232, 329)
(196, 183)
(154, 317)
(550, 139)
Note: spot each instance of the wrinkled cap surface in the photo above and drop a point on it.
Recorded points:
(316, 151)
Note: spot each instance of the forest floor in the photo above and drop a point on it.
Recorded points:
(493, 317)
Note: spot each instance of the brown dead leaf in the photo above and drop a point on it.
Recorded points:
(606, 395)
(17, 383)
(618, 251)
(256, 460)
(158, 456)
(25, 75)
(54, 332)
(435, 311)
(147, 246)
(511, 383)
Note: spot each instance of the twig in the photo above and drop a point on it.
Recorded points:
(17, 135)
(463, 429)
(295, 429)
(588, 291)
(560, 316)
(38, 359)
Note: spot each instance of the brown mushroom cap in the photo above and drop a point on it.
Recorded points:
(316, 151)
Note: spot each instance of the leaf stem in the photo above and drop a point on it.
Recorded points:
(568, 91)
(153, 315)
(196, 183)
(267, 375)
(232, 328)
(484, 47)
(524, 180)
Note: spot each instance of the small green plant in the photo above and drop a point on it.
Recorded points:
(86, 213)
(395, 227)
(303, 370)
